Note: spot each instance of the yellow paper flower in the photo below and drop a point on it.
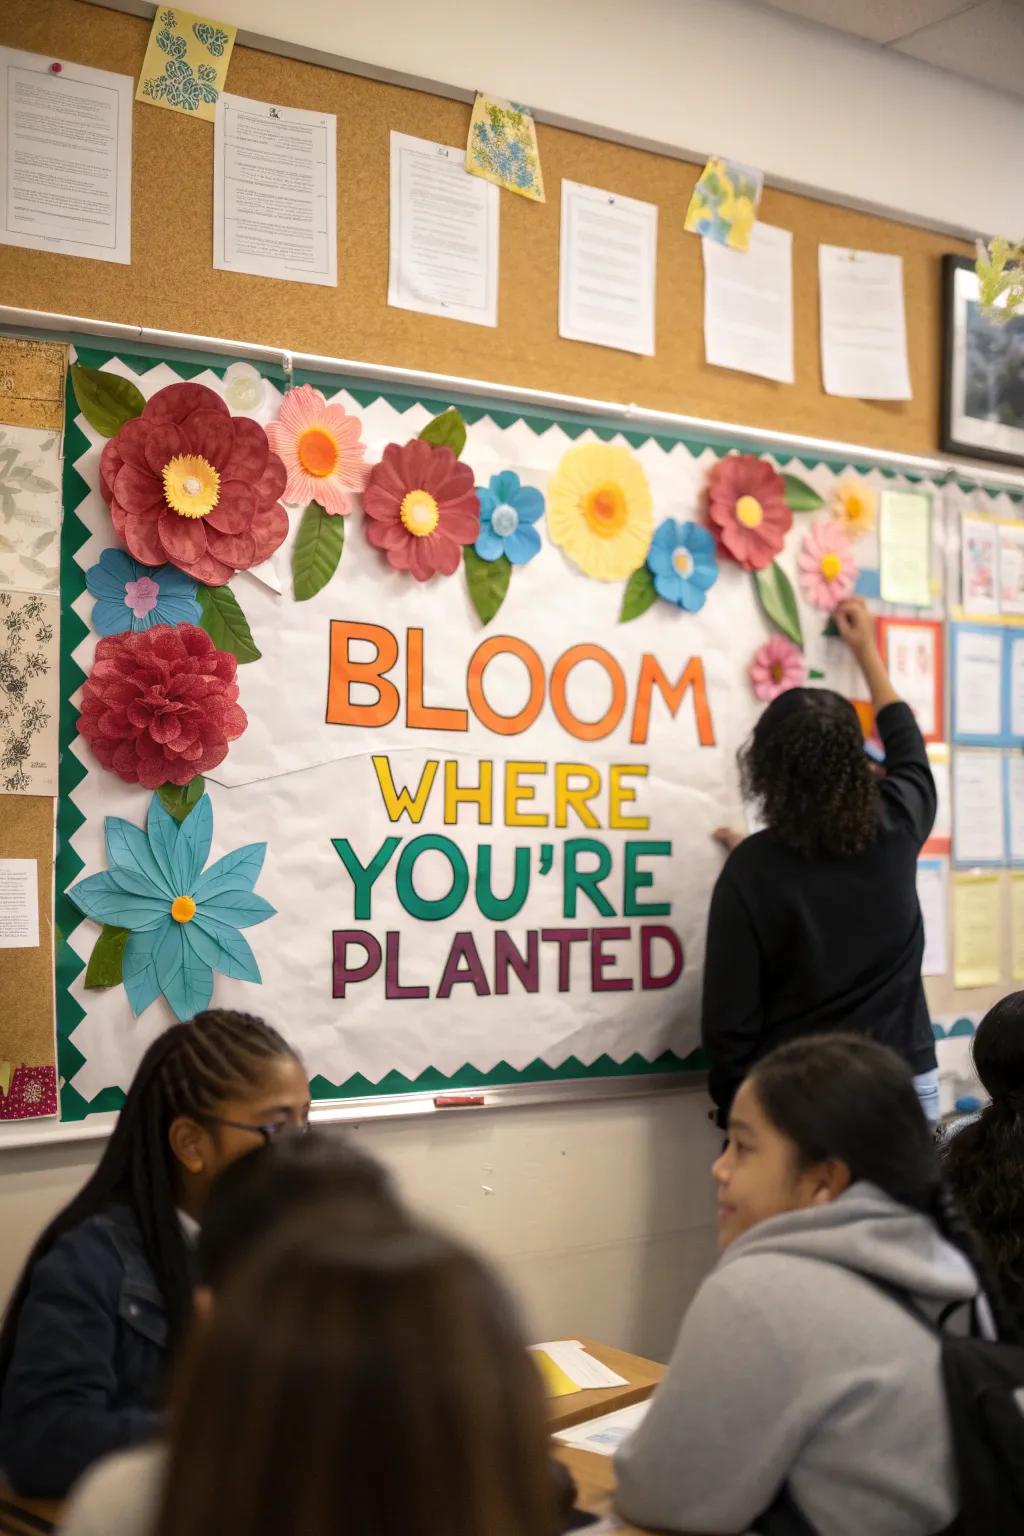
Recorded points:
(855, 505)
(599, 510)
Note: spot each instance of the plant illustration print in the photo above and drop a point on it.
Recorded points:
(27, 685)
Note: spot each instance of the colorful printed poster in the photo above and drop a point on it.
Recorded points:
(502, 147)
(186, 62)
(979, 559)
(724, 203)
(913, 651)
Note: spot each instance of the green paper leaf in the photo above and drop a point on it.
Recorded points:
(640, 593)
(179, 799)
(105, 399)
(814, 676)
(107, 958)
(800, 497)
(225, 623)
(487, 581)
(831, 630)
(778, 600)
(317, 552)
(446, 431)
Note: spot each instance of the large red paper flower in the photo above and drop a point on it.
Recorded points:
(421, 508)
(188, 482)
(161, 705)
(747, 510)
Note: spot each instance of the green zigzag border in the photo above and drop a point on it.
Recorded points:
(74, 1106)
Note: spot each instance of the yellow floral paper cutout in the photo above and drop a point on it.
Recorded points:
(186, 62)
(725, 202)
(855, 505)
(502, 147)
(599, 510)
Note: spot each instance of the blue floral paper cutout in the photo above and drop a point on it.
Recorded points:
(684, 563)
(114, 582)
(508, 511)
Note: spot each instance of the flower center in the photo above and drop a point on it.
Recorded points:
(682, 561)
(318, 452)
(183, 909)
(776, 672)
(191, 485)
(831, 567)
(419, 514)
(504, 520)
(141, 596)
(750, 512)
(854, 506)
(605, 509)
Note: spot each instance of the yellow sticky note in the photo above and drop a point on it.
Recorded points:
(502, 146)
(723, 205)
(977, 930)
(1017, 926)
(186, 62)
(556, 1382)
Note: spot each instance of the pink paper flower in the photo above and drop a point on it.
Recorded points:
(421, 509)
(828, 571)
(747, 510)
(321, 449)
(777, 666)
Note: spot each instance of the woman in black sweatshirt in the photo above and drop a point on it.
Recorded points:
(815, 922)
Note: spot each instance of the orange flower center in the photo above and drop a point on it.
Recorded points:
(419, 513)
(776, 672)
(318, 453)
(855, 506)
(183, 909)
(750, 512)
(605, 509)
(831, 567)
(191, 485)
(682, 560)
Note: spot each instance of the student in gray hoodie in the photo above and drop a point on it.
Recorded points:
(798, 1388)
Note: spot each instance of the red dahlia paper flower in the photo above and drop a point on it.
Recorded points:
(421, 508)
(747, 509)
(189, 483)
(161, 705)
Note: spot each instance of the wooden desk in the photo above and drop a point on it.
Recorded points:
(27, 1517)
(642, 1376)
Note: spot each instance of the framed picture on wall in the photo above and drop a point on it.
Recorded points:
(983, 373)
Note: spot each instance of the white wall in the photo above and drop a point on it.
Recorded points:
(806, 104)
(600, 1215)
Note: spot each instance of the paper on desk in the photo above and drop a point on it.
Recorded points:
(607, 269)
(748, 304)
(605, 1434)
(19, 904)
(979, 832)
(977, 930)
(905, 548)
(444, 233)
(863, 325)
(65, 157)
(572, 1360)
(933, 894)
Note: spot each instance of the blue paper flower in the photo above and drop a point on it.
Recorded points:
(683, 561)
(184, 923)
(130, 596)
(508, 511)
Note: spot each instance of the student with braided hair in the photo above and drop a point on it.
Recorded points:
(106, 1291)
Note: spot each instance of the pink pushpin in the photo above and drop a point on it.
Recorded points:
(56, 68)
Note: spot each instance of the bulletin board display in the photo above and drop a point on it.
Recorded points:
(489, 848)
(171, 283)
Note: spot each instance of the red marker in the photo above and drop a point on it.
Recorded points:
(459, 1101)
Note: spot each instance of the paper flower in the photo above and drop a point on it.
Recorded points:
(161, 706)
(778, 665)
(188, 482)
(683, 562)
(854, 507)
(421, 508)
(828, 571)
(321, 449)
(133, 597)
(748, 511)
(599, 510)
(245, 390)
(183, 923)
(508, 511)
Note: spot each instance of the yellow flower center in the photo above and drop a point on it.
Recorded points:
(318, 452)
(856, 506)
(831, 567)
(183, 909)
(419, 514)
(750, 512)
(605, 509)
(683, 562)
(191, 485)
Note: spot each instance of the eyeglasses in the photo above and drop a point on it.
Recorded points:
(277, 1130)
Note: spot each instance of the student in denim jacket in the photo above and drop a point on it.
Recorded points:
(105, 1294)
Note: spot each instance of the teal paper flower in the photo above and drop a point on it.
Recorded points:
(683, 562)
(508, 511)
(183, 924)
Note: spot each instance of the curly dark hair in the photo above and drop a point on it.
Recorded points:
(806, 770)
(985, 1161)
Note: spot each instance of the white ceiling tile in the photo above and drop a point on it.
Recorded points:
(986, 44)
(880, 21)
